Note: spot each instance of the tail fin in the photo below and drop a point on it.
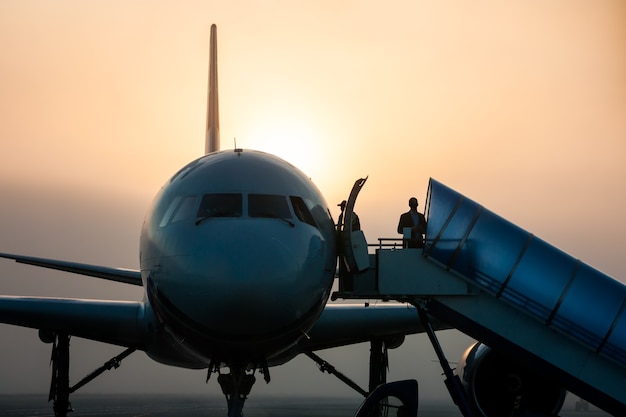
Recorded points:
(212, 142)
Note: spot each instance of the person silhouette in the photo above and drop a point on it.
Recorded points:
(412, 225)
(356, 223)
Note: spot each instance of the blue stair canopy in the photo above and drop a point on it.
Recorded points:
(512, 264)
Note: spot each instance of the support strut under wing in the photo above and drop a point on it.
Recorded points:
(60, 389)
(327, 367)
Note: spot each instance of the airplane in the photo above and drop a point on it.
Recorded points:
(238, 256)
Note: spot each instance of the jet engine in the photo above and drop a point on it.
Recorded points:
(496, 385)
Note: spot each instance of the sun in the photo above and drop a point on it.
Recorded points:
(294, 140)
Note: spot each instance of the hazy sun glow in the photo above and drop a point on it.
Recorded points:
(518, 105)
(291, 137)
(466, 94)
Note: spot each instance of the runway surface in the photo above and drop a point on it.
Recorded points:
(198, 406)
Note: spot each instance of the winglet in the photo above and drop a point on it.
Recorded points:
(212, 143)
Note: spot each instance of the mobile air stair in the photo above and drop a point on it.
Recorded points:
(506, 288)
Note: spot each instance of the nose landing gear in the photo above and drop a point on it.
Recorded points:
(236, 385)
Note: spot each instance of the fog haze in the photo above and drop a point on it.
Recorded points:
(518, 106)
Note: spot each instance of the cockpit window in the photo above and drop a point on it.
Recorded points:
(180, 208)
(220, 205)
(302, 212)
(268, 205)
(185, 209)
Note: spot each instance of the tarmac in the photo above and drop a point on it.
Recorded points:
(128, 405)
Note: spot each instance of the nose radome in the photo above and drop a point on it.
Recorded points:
(252, 281)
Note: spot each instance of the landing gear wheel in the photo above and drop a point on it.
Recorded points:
(236, 386)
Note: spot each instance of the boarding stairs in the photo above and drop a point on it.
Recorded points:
(505, 287)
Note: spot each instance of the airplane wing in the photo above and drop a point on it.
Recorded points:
(114, 322)
(127, 276)
(348, 324)
(121, 322)
(345, 324)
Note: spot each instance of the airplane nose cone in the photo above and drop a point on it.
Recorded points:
(260, 280)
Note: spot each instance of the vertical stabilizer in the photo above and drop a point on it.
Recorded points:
(212, 143)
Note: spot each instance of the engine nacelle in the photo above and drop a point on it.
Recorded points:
(394, 342)
(497, 385)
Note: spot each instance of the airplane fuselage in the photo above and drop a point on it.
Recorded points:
(237, 257)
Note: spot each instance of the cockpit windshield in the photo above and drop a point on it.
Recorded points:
(181, 208)
(220, 205)
(232, 205)
(302, 211)
(268, 205)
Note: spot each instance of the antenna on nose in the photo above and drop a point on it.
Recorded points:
(237, 150)
(212, 142)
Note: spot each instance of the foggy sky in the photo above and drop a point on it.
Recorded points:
(518, 106)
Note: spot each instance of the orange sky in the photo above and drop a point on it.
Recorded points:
(519, 105)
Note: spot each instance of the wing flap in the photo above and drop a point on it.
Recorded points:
(127, 276)
(115, 322)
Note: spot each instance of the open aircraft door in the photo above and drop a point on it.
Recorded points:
(353, 254)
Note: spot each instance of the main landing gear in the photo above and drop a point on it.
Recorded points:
(60, 388)
(382, 397)
(60, 384)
